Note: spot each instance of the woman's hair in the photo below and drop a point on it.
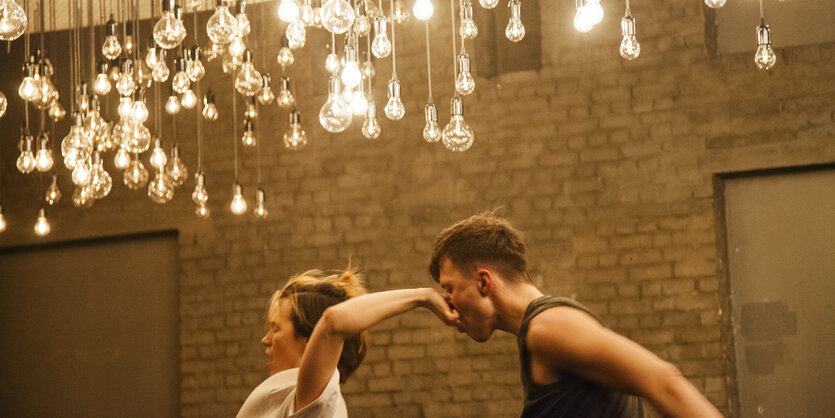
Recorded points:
(309, 294)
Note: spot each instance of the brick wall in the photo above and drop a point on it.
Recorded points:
(606, 166)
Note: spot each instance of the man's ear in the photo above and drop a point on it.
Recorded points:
(486, 282)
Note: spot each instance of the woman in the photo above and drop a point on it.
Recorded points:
(316, 340)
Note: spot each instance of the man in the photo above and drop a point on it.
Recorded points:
(572, 366)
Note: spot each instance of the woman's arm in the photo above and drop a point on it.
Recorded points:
(349, 318)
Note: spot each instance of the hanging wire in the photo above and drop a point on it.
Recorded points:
(428, 62)
(368, 58)
(393, 43)
(235, 128)
(199, 115)
(762, 16)
(454, 52)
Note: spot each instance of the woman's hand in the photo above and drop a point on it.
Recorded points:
(436, 303)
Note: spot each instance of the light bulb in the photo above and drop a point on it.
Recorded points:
(222, 26)
(169, 30)
(26, 161)
(209, 108)
(394, 107)
(629, 46)
(595, 11)
(362, 24)
(457, 135)
(296, 34)
(370, 126)
(347, 93)
(358, 103)
(237, 47)
(77, 145)
(238, 205)
(431, 130)
(765, 57)
(381, 46)
(2, 220)
(248, 81)
(136, 175)
(42, 227)
(102, 84)
(115, 71)
(260, 211)
(400, 12)
(100, 182)
(200, 195)
(266, 95)
(195, 69)
(468, 29)
(332, 63)
(423, 9)
(583, 20)
(53, 192)
(29, 89)
(215, 51)
(189, 99)
(285, 56)
(161, 72)
(152, 57)
(13, 20)
(307, 15)
(44, 158)
(251, 111)
(81, 197)
(488, 4)
(231, 63)
(515, 30)
(111, 48)
(202, 211)
(285, 97)
(158, 157)
(180, 82)
(172, 105)
(295, 138)
(248, 138)
(126, 85)
(337, 16)
(176, 169)
(136, 138)
(351, 75)
(368, 70)
(335, 114)
(121, 159)
(139, 112)
(241, 21)
(715, 4)
(464, 82)
(81, 173)
(4, 103)
(160, 189)
(56, 111)
(288, 10)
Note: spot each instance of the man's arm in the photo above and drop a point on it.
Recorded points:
(564, 339)
(347, 319)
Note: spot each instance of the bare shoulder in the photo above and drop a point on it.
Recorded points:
(560, 326)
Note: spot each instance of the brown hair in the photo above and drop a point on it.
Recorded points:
(309, 294)
(484, 238)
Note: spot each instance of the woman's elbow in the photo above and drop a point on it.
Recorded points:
(332, 321)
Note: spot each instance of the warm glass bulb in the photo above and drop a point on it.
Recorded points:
(248, 81)
(26, 162)
(400, 12)
(457, 135)
(337, 16)
(238, 205)
(158, 157)
(29, 89)
(295, 138)
(335, 114)
(765, 58)
(210, 111)
(100, 181)
(13, 20)
(44, 160)
(189, 99)
(288, 10)
(715, 4)
(202, 211)
(222, 26)
(196, 70)
(370, 126)
(266, 95)
(237, 47)
(81, 173)
(468, 29)
(595, 11)
(431, 130)
(169, 31)
(583, 21)
(200, 195)
(515, 30)
(285, 56)
(4, 103)
(307, 15)
(629, 46)
(172, 105)
(42, 227)
(160, 189)
(358, 102)
(121, 159)
(102, 84)
(56, 111)
(332, 63)
(2, 221)
(394, 107)
(111, 48)
(152, 57)
(423, 9)
(362, 25)
(139, 113)
(285, 98)
(160, 72)
(230, 63)
(126, 86)
(381, 46)
(351, 75)
(248, 139)
(296, 34)
(488, 4)
(176, 169)
(260, 211)
(464, 82)
(243, 25)
(53, 192)
(136, 175)
(180, 82)
(81, 198)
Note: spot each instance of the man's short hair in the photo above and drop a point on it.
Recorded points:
(484, 238)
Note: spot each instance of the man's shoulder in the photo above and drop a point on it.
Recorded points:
(559, 322)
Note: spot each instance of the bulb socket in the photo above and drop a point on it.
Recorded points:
(431, 112)
(167, 5)
(351, 54)
(240, 7)
(295, 117)
(285, 83)
(157, 142)
(139, 95)
(285, 43)
(456, 106)
(151, 43)
(467, 10)
(627, 25)
(110, 27)
(239, 190)
(180, 64)
(200, 179)
(209, 98)
(178, 12)
(394, 87)
(248, 125)
(43, 139)
(129, 28)
(221, 3)
(371, 112)
(333, 85)
(247, 55)
(515, 7)
(265, 79)
(463, 62)
(260, 196)
(103, 67)
(379, 25)
(78, 119)
(196, 53)
(127, 66)
(96, 157)
(763, 34)
(28, 143)
(175, 151)
(41, 213)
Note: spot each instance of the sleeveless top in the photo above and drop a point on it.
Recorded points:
(571, 395)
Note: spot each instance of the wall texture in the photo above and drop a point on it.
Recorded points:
(606, 166)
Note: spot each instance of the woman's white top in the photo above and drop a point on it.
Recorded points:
(276, 397)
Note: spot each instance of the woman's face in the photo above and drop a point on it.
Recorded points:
(283, 345)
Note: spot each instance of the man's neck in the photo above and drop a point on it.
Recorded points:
(511, 303)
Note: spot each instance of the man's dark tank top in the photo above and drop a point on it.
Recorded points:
(571, 395)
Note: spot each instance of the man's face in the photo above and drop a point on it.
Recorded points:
(462, 293)
(282, 344)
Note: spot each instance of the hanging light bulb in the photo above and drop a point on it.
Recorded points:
(215, 50)
(368, 70)
(53, 192)
(4, 103)
(332, 63)
(26, 161)
(295, 138)
(296, 34)
(515, 30)
(111, 48)
(121, 159)
(285, 97)
(100, 182)
(81, 197)
(176, 169)
(169, 30)
(81, 172)
(43, 158)
(241, 21)
(202, 211)
(337, 16)
(13, 20)
(189, 99)
(29, 89)
(238, 205)
(83, 99)
(158, 157)
(335, 114)
(77, 145)
(129, 45)
(381, 46)
(160, 72)
(765, 58)
(358, 102)
(307, 14)
(285, 56)
(139, 113)
(629, 46)
(102, 84)
(362, 25)
(222, 26)
(351, 75)
(200, 195)
(423, 9)
(248, 81)
(115, 70)
(394, 107)
(347, 93)
(126, 85)
(152, 56)
(160, 189)
(468, 29)
(266, 95)
(56, 111)
(370, 126)
(431, 131)
(248, 139)
(195, 69)
(595, 11)
(583, 20)
(172, 105)
(464, 82)
(237, 47)
(457, 135)
(288, 11)
(180, 82)
(401, 14)
(251, 111)
(42, 227)
(209, 108)
(260, 210)
(136, 175)
(715, 4)
(488, 4)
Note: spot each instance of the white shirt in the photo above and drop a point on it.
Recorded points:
(276, 397)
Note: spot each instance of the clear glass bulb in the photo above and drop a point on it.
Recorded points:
(210, 111)
(231, 63)
(43, 159)
(42, 227)
(196, 70)
(351, 75)
(102, 84)
(288, 11)
(381, 46)
(595, 11)
(266, 95)
(362, 25)
(583, 20)
(296, 33)
(368, 70)
(295, 138)
(237, 47)
(53, 192)
(251, 111)
(202, 211)
(29, 89)
(370, 126)
(158, 157)
(176, 169)
(285, 98)
(126, 85)
(139, 113)
(248, 138)
(715, 4)
(180, 82)
(100, 181)
(222, 26)
(468, 29)
(307, 15)
(423, 9)
(172, 105)
(13, 20)
(26, 161)
(2, 220)
(238, 205)
(216, 51)
(488, 4)
(337, 16)
(152, 57)
(400, 12)
(111, 48)
(515, 30)
(457, 135)
(260, 211)
(285, 56)
(765, 58)
(394, 107)
(161, 190)
(81, 173)
(161, 72)
(335, 114)
(464, 82)
(431, 130)
(629, 46)
(4, 103)
(332, 63)
(81, 198)
(243, 24)
(136, 175)
(248, 81)
(200, 195)
(358, 103)
(56, 111)
(189, 99)
(122, 159)
(169, 31)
